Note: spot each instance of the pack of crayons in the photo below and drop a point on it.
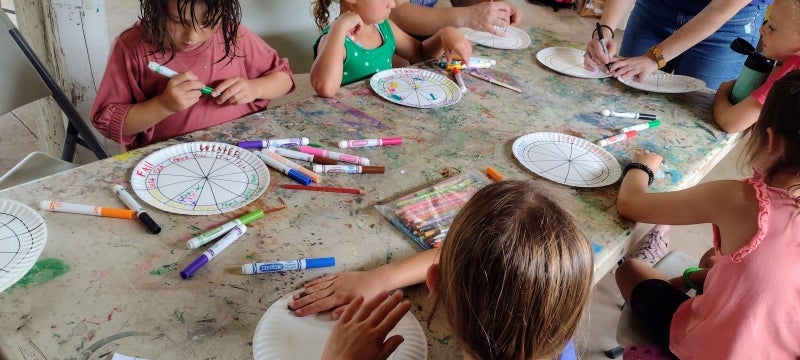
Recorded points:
(425, 215)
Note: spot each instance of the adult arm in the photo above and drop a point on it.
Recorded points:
(481, 16)
(446, 41)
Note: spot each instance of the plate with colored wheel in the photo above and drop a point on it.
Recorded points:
(514, 38)
(23, 234)
(200, 178)
(666, 83)
(566, 159)
(568, 61)
(415, 87)
(281, 335)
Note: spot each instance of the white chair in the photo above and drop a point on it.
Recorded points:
(25, 79)
(629, 330)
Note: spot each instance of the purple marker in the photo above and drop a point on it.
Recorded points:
(263, 144)
(213, 251)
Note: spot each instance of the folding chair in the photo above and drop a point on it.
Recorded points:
(25, 79)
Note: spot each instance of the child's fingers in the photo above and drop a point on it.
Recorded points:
(389, 346)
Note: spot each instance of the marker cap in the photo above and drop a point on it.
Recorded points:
(194, 266)
(207, 90)
(149, 223)
(253, 216)
(320, 262)
(251, 144)
(373, 169)
(299, 177)
(323, 161)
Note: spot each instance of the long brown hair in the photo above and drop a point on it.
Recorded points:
(515, 273)
(322, 13)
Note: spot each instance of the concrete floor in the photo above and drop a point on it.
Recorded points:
(598, 327)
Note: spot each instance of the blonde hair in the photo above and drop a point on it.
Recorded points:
(515, 273)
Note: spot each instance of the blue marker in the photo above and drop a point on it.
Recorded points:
(213, 251)
(301, 264)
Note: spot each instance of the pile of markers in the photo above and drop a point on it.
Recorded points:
(426, 215)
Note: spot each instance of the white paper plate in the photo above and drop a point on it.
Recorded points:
(200, 178)
(514, 39)
(568, 61)
(415, 87)
(566, 159)
(280, 335)
(666, 83)
(23, 235)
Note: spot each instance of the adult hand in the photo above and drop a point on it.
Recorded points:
(182, 91)
(596, 58)
(651, 159)
(453, 41)
(639, 68)
(488, 16)
(361, 331)
(335, 292)
(235, 91)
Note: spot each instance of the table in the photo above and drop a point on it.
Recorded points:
(113, 287)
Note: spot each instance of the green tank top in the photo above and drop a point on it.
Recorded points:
(360, 63)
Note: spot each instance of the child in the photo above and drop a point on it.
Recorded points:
(780, 38)
(748, 307)
(362, 41)
(203, 41)
(512, 253)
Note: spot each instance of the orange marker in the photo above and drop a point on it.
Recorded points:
(493, 174)
(58, 206)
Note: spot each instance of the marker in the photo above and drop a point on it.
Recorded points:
(617, 138)
(286, 169)
(301, 264)
(491, 80)
(308, 173)
(493, 174)
(629, 115)
(323, 189)
(216, 232)
(476, 62)
(335, 155)
(163, 70)
(262, 144)
(603, 44)
(145, 218)
(640, 127)
(58, 206)
(348, 169)
(213, 251)
(297, 155)
(370, 142)
(459, 80)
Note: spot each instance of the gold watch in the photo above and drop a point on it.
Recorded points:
(657, 55)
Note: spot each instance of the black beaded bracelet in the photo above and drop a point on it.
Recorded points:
(594, 32)
(643, 167)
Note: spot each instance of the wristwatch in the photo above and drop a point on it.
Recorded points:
(658, 55)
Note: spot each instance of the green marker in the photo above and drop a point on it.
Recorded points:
(163, 70)
(218, 231)
(640, 127)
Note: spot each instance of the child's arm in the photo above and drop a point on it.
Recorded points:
(335, 291)
(327, 69)
(484, 16)
(734, 118)
(182, 91)
(446, 41)
(238, 90)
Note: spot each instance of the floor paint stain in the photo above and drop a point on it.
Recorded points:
(43, 272)
(164, 269)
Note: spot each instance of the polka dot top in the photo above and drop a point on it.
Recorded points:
(361, 63)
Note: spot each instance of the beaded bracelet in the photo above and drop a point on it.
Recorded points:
(688, 282)
(594, 32)
(643, 167)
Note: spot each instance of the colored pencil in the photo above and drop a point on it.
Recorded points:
(323, 189)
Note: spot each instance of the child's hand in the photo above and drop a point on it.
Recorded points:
(652, 160)
(349, 22)
(335, 292)
(235, 91)
(361, 331)
(182, 91)
(454, 42)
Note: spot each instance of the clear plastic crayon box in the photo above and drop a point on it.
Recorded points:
(425, 215)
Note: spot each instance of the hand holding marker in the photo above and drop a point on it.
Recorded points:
(163, 70)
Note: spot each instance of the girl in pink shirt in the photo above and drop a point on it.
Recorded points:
(204, 42)
(748, 306)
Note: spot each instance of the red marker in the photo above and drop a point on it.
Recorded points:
(617, 138)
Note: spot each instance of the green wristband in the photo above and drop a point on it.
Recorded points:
(688, 282)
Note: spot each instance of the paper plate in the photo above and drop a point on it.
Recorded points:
(23, 235)
(568, 61)
(514, 39)
(415, 87)
(200, 178)
(566, 159)
(666, 83)
(280, 335)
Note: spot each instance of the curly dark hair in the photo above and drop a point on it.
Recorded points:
(154, 15)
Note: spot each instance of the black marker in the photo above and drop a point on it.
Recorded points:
(148, 222)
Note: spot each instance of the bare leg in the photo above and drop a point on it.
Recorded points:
(653, 246)
(632, 272)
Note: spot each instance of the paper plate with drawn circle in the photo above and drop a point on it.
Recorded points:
(566, 159)
(666, 83)
(280, 335)
(415, 87)
(23, 234)
(514, 39)
(568, 61)
(200, 178)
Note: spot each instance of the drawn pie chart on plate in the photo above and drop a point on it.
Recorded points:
(568, 61)
(415, 87)
(280, 335)
(23, 234)
(514, 39)
(566, 159)
(666, 83)
(200, 178)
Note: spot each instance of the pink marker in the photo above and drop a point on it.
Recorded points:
(370, 142)
(334, 155)
(617, 138)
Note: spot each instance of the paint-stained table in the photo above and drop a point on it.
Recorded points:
(106, 285)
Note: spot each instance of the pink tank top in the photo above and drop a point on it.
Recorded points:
(750, 308)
